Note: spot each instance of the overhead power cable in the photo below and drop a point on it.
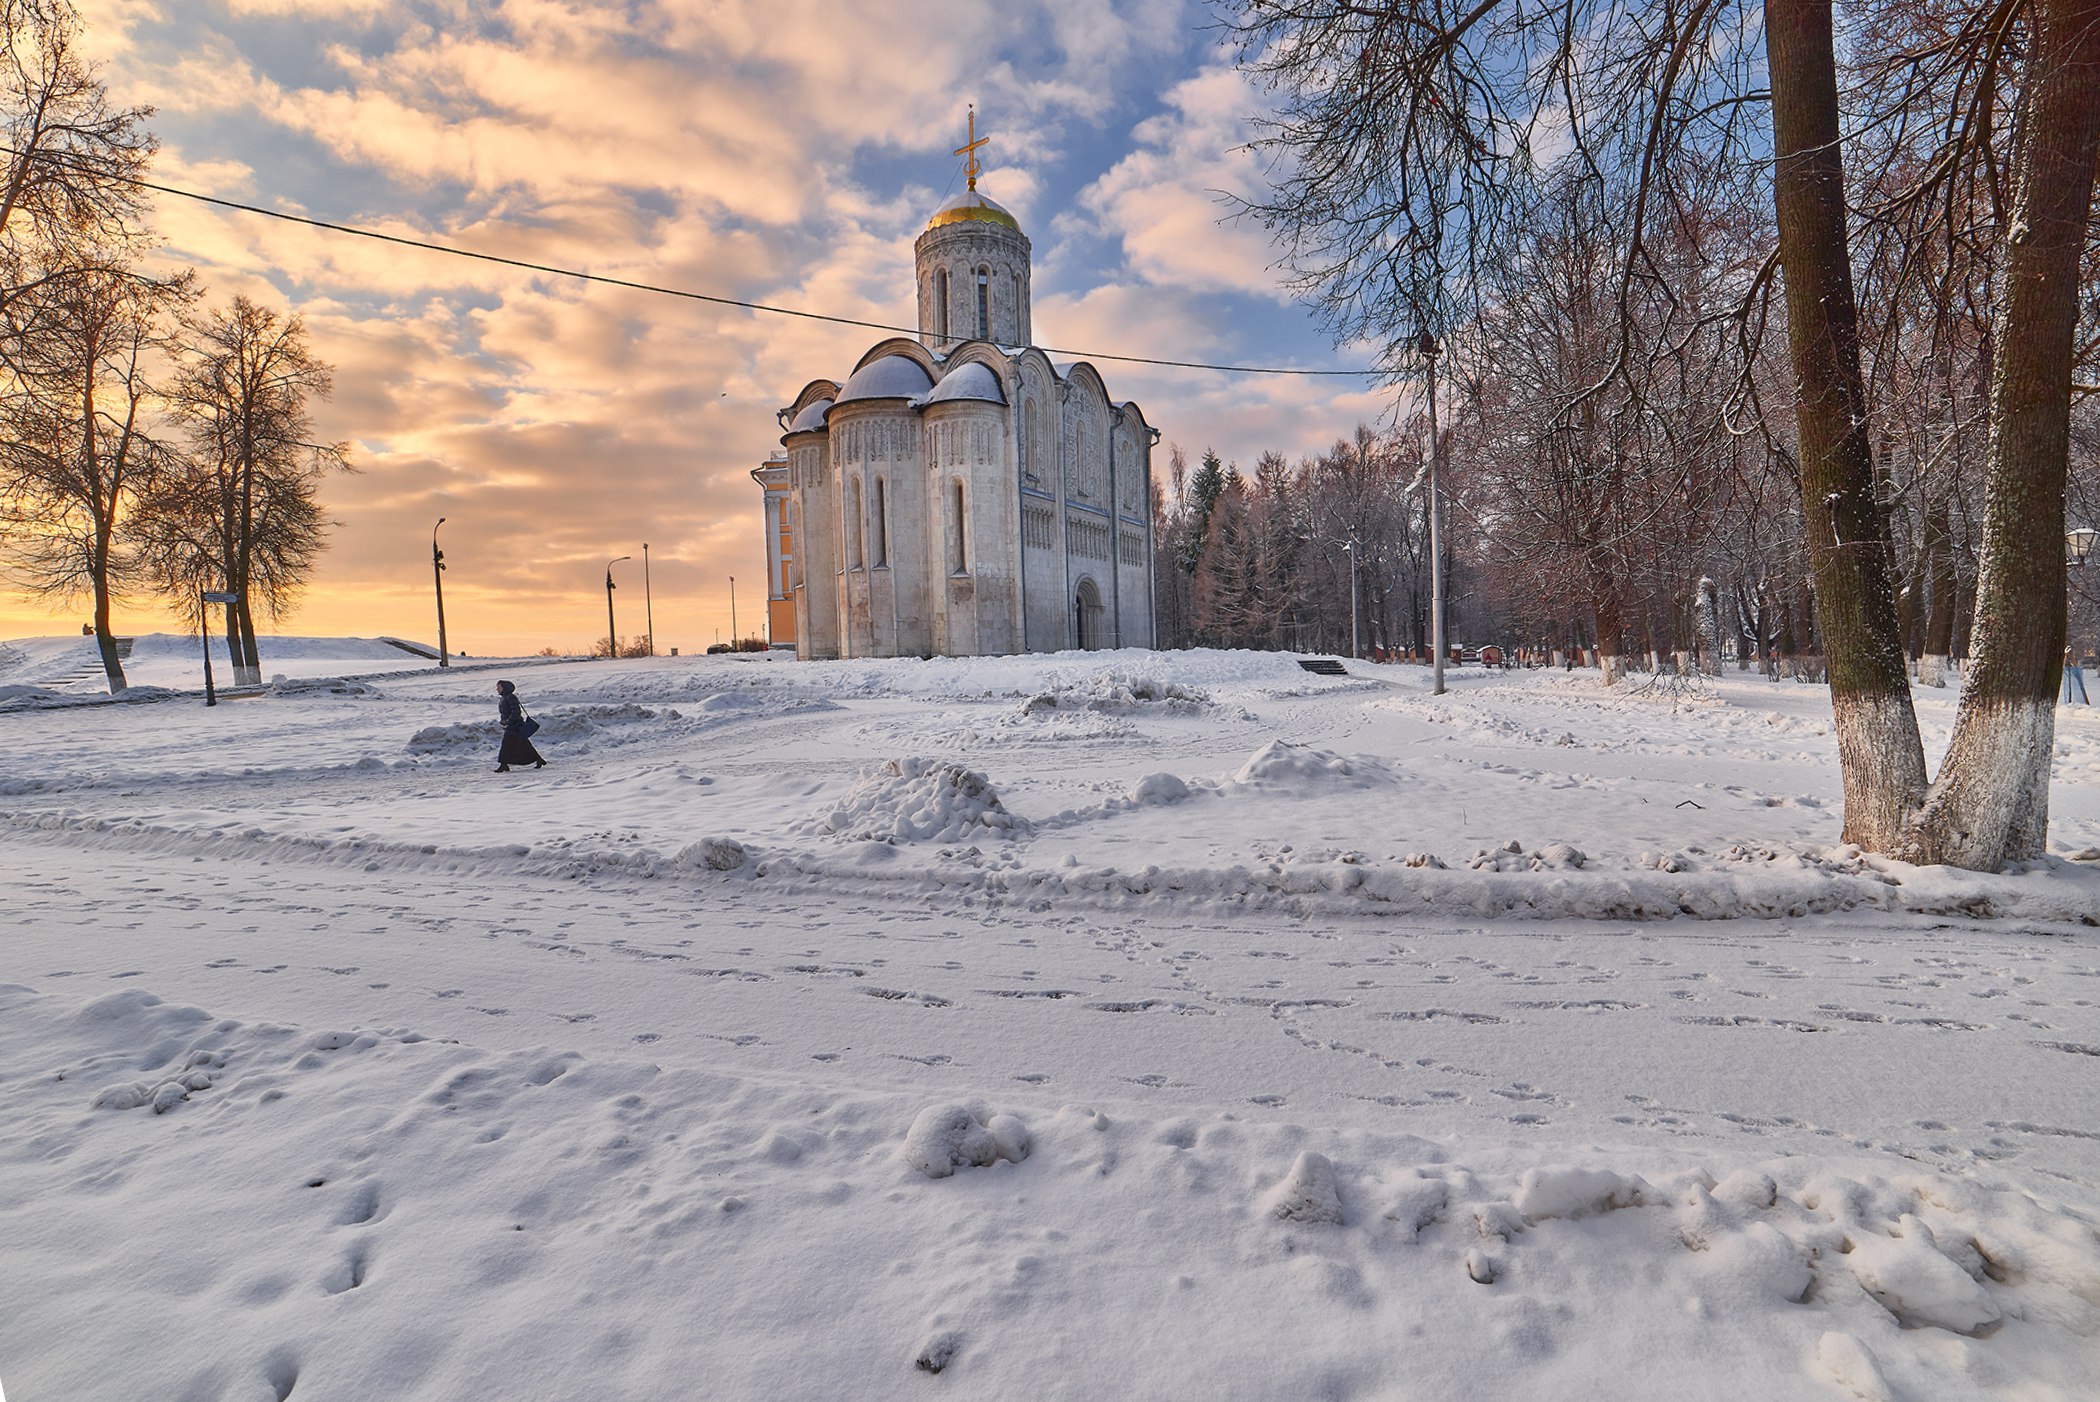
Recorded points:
(688, 295)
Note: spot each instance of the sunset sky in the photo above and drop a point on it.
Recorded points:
(780, 151)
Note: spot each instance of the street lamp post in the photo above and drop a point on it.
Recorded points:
(648, 600)
(612, 632)
(437, 570)
(1354, 650)
(732, 611)
(1427, 346)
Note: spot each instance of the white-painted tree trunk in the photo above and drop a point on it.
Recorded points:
(1990, 805)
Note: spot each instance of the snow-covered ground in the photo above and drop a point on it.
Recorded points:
(1111, 1025)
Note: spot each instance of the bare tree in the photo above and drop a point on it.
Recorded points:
(246, 512)
(78, 440)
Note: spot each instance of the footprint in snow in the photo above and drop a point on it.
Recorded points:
(361, 1207)
(349, 1273)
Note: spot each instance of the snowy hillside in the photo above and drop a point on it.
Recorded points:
(1110, 1025)
(72, 666)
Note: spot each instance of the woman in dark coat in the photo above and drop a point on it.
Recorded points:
(517, 749)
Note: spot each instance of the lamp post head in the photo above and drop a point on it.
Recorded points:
(2081, 540)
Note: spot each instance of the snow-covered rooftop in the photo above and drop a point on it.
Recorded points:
(811, 418)
(889, 377)
(972, 381)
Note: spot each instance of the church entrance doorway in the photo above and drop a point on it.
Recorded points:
(1087, 613)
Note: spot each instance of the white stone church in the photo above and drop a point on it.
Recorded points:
(959, 494)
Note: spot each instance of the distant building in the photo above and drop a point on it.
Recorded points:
(959, 494)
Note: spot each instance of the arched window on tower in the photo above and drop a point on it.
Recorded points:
(1018, 336)
(958, 530)
(940, 304)
(879, 525)
(984, 304)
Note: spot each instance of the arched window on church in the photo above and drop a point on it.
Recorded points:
(879, 524)
(853, 524)
(958, 530)
(984, 304)
(1017, 308)
(1029, 466)
(940, 304)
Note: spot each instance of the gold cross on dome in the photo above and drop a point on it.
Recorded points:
(970, 150)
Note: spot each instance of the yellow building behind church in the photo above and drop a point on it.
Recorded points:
(772, 475)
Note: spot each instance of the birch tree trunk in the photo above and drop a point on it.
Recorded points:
(1879, 752)
(1990, 804)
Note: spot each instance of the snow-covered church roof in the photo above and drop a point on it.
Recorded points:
(811, 418)
(974, 380)
(886, 377)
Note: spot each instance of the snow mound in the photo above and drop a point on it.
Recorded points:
(713, 854)
(281, 685)
(1120, 693)
(199, 1069)
(622, 720)
(1763, 1260)
(1576, 1192)
(1308, 1194)
(919, 800)
(1161, 788)
(1916, 1283)
(27, 698)
(1281, 766)
(1511, 856)
(943, 1138)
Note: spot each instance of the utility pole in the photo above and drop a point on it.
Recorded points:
(648, 600)
(1426, 344)
(437, 570)
(732, 611)
(612, 633)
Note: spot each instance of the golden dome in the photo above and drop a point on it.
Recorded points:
(969, 206)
